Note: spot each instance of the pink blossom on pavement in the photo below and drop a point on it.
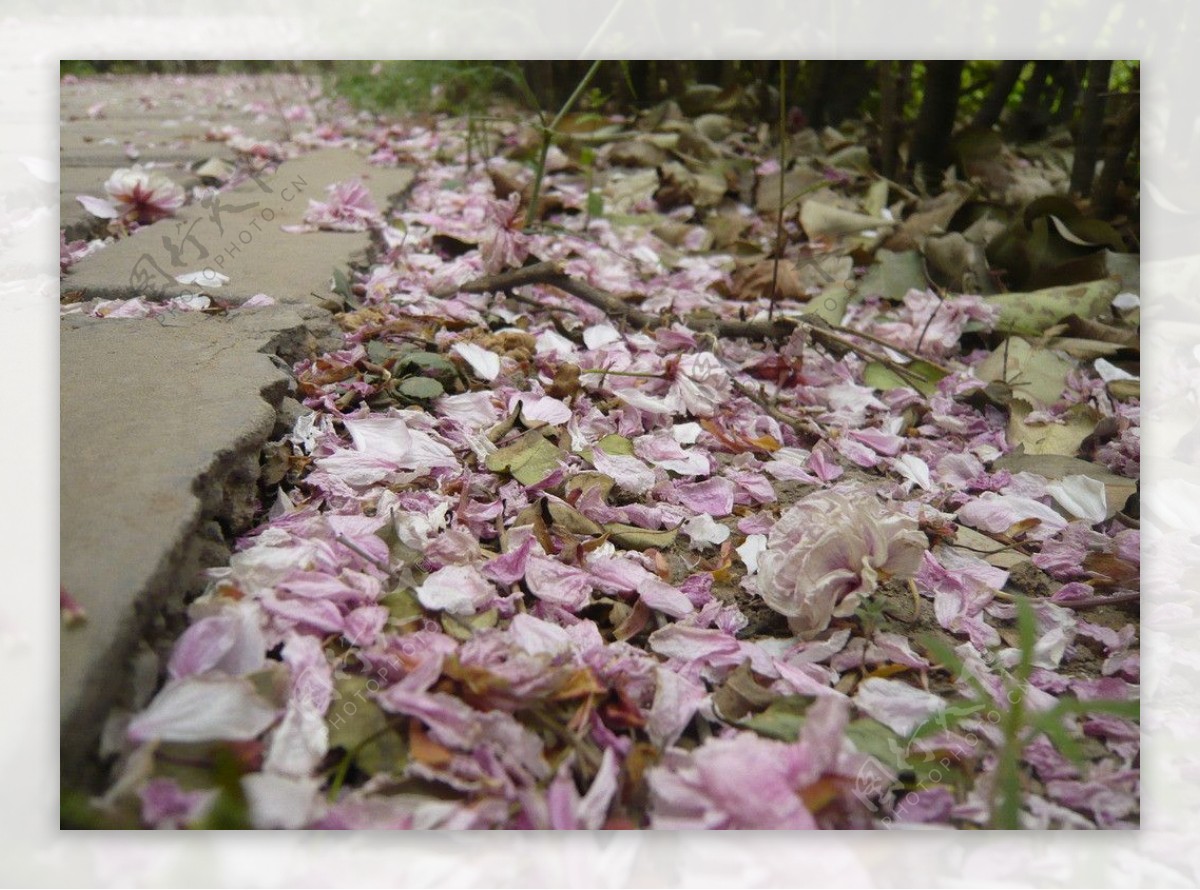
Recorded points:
(350, 208)
(136, 195)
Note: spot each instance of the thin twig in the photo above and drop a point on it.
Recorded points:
(548, 134)
(884, 343)
(779, 212)
(799, 424)
(1093, 602)
(932, 316)
(350, 545)
(551, 273)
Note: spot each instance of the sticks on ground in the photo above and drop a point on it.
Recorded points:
(552, 274)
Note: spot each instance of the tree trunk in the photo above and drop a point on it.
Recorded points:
(1068, 80)
(889, 119)
(851, 83)
(1087, 142)
(1033, 114)
(729, 75)
(639, 77)
(1003, 81)
(676, 76)
(539, 74)
(709, 72)
(931, 136)
(818, 88)
(1104, 193)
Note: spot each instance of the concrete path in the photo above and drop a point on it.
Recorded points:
(238, 235)
(163, 420)
(160, 122)
(162, 424)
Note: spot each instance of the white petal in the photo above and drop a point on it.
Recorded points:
(484, 362)
(189, 303)
(204, 278)
(749, 551)
(703, 529)
(1081, 496)
(390, 439)
(914, 470)
(627, 471)
(204, 709)
(299, 743)
(98, 206)
(686, 433)
(280, 801)
(1109, 372)
(552, 342)
(546, 409)
(600, 335)
(898, 706)
(631, 395)
(460, 590)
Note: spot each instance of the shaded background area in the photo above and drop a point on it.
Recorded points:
(918, 117)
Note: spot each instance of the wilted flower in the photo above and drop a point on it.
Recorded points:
(136, 196)
(829, 551)
(699, 386)
(350, 208)
(503, 244)
(143, 196)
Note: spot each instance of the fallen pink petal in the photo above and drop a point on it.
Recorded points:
(706, 462)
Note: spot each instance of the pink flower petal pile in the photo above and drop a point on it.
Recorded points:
(597, 585)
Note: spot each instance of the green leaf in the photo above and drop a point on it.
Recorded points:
(429, 363)
(358, 725)
(1027, 637)
(919, 375)
(872, 737)
(421, 388)
(561, 516)
(341, 285)
(231, 810)
(782, 719)
(1051, 724)
(403, 606)
(379, 352)
(1062, 437)
(893, 275)
(595, 204)
(627, 74)
(1033, 312)
(1036, 375)
(530, 459)
(741, 694)
(614, 444)
(463, 627)
(1130, 710)
(953, 714)
(830, 304)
